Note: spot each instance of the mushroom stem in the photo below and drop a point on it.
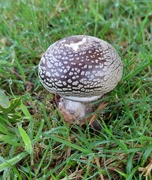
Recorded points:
(73, 111)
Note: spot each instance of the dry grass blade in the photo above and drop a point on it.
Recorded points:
(146, 171)
(56, 9)
(74, 175)
(98, 164)
(100, 107)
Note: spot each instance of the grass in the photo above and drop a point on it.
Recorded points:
(35, 142)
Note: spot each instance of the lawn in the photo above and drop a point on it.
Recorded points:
(35, 141)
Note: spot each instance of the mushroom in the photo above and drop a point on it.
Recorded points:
(80, 69)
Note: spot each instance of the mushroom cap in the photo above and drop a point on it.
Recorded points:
(80, 68)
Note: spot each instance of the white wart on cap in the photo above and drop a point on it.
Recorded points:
(80, 68)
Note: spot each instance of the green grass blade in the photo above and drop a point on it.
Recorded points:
(147, 153)
(9, 140)
(119, 142)
(83, 150)
(25, 111)
(12, 161)
(129, 163)
(26, 139)
(4, 101)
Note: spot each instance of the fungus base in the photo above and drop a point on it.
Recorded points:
(75, 112)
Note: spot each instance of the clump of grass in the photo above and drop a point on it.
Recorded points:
(35, 142)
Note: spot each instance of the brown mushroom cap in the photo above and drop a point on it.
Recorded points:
(80, 68)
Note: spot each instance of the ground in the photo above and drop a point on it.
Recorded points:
(35, 141)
